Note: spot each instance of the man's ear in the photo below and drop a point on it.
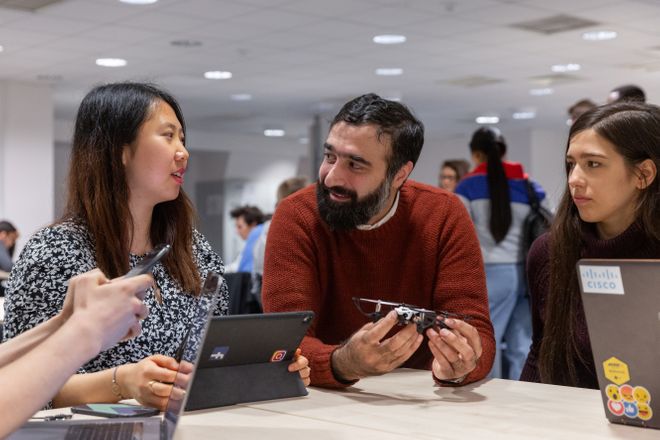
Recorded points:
(402, 174)
(646, 174)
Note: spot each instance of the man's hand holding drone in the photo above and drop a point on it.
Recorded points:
(366, 353)
(456, 349)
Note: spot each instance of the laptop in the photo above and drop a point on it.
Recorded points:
(141, 428)
(622, 304)
(245, 358)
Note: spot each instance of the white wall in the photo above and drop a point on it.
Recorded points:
(26, 156)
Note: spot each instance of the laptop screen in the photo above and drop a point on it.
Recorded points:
(190, 350)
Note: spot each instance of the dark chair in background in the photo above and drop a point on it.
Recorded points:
(241, 299)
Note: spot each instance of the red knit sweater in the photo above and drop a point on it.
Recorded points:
(427, 255)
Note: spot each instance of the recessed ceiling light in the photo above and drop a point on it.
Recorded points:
(487, 120)
(217, 74)
(1, 48)
(273, 132)
(111, 62)
(524, 115)
(138, 2)
(599, 35)
(571, 67)
(241, 97)
(389, 71)
(389, 39)
(541, 92)
(186, 43)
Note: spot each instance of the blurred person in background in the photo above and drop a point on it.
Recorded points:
(249, 225)
(451, 172)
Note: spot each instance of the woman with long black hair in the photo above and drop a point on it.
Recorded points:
(496, 196)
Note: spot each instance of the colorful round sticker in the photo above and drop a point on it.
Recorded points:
(615, 408)
(630, 409)
(629, 401)
(645, 411)
(612, 392)
(641, 394)
(627, 393)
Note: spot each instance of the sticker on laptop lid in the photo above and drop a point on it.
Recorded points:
(616, 371)
(630, 409)
(615, 408)
(601, 279)
(278, 356)
(645, 411)
(219, 353)
(641, 394)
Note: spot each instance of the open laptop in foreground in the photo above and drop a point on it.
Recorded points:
(141, 428)
(622, 304)
(246, 357)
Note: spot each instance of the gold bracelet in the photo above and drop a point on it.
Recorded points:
(115, 386)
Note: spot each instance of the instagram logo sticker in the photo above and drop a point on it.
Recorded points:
(278, 356)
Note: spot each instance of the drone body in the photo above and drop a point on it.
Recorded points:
(407, 314)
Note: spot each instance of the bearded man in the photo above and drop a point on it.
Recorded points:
(365, 230)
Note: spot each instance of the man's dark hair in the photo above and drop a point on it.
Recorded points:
(630, 92)
(5, 226)
(251, 214)
(392, 119)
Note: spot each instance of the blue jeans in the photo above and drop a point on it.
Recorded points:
(511, 317)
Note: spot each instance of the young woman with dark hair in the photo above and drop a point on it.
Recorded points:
(125, 197)
(496, 197)
(610, 209)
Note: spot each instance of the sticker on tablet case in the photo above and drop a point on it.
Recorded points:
(601, 279)
(278, 356)
(219, 353)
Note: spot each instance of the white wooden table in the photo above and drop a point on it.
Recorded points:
(405, 404)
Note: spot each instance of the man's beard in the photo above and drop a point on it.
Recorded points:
(348, 215)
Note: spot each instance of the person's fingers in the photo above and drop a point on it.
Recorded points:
(159, 389)
(468, 331)
(401, 340)
(87, 280)
(164, 361)
(379, 330)
(444, 365)
(186, 367)
(298, 364)
(442, 369)
(404, 353)
(134, 285)
(134, 331)
(140, 310)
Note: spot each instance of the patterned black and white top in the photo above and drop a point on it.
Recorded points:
(38, 284)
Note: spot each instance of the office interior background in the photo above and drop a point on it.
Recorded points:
(258, 81)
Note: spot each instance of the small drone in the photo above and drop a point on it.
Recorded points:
(407, 314)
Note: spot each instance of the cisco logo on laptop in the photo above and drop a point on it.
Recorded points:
(601, 279)
(218, 353)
